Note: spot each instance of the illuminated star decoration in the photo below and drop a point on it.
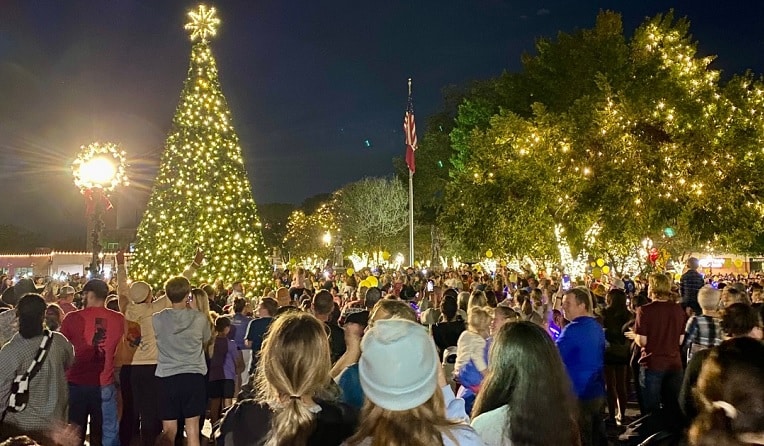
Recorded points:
(203, 23)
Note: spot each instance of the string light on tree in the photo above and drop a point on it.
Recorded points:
(202, 197)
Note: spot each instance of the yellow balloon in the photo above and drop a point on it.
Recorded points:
(677, 277)
(738, 263)
(489, 253)
(385, 255)
(503, 263)
(364, 284)
(596, 273)
(605, 269)
(350, 271)
(593, 264)
(600, 262)
(373, 282)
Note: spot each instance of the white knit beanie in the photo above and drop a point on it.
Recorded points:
(399, 364)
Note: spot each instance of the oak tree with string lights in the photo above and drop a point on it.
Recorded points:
(202, 196)
(634, 135)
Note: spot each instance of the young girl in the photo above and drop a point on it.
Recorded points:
(225, 362)
(470, 354)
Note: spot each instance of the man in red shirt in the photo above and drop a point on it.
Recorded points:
(659, 331)
(95, 332)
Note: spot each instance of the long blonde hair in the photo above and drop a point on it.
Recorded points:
(423, 425)
(203, 305)
(296, 361)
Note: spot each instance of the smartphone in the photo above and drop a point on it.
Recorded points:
(565, 282)
(430, 285)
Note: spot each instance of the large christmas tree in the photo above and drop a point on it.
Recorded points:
(202, 197)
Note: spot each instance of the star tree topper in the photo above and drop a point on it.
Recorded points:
(203, 23)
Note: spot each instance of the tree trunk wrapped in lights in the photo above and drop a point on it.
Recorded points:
(202, 196)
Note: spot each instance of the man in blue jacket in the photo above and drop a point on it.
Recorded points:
(582, 347)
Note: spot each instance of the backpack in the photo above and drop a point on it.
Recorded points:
(20, 388)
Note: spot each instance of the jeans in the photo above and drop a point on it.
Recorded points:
(660, 387)
(98, 402)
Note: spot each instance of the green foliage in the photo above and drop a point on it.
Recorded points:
(201, 197)
(305, 233)
(373, 211)
(632, 135)
(274, 217)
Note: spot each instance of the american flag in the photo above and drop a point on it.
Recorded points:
(409, 128)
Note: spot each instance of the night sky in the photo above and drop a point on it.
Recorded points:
(317, 88)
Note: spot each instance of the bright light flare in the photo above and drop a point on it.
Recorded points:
(100, 166)
(98, 171)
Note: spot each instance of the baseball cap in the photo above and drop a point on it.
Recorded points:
(139, 292)
(98, 286)
(617, 283)
(65, 290)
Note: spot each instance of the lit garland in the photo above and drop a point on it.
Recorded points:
(202, 196)
(101, 166)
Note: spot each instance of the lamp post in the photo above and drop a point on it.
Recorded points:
(98, 170)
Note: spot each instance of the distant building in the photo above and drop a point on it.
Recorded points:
(46, 262)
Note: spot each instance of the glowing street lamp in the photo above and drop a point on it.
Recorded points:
(98, 170)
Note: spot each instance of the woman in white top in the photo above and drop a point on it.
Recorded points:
(526, 396)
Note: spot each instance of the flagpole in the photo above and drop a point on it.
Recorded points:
(411, 208)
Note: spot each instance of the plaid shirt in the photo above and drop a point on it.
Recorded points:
(703, 331)
(689, 285)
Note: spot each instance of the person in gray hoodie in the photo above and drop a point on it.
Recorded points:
(180, 334)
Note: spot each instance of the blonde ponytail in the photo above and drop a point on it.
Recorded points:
(295, 363)
(292, 424)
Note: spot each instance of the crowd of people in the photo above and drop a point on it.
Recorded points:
(370, 357)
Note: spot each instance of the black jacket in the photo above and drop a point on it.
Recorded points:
(248, 422)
